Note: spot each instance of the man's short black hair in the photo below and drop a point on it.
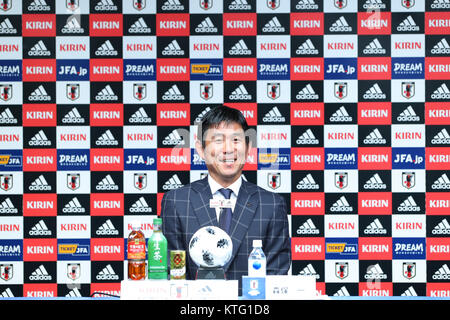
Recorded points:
(217, 115)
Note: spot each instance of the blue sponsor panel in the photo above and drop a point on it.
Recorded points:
(341, 248)
(197, 163)
(408, 68)
(139, 69)
(11, 250)
(72, 70)
(206, 69)
(340, 68)
(11, 70)
(409, 248)
(74, 249)
(408, 158)
(73, 159)
(139, 159)
(273, 69)
(11, 160)
(341, 158)
(274, 159)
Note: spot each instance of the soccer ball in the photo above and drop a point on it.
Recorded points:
(210, 247)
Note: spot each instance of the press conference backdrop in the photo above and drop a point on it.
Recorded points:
(350, 101)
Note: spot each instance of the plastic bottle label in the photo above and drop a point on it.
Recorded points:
(257, 268)
(136, 250)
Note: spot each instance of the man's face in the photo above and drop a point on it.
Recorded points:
(225, 151)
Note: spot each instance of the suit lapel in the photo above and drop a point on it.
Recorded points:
(206, 216)
(243, 213)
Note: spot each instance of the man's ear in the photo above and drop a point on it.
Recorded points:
(199, 148)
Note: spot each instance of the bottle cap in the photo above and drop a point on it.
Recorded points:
(157, 221)
(257, 243)
(135, 224)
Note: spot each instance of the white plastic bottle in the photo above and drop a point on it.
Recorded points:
(257, 261)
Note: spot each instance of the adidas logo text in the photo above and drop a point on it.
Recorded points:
(106, 94)
(408, 25)
(173, 183)
(440, 4)
(374, 138)
(173, 94)
(442, 47)
(308, 183)
(40, 94)
(409, 205)
(240, 48)
(106, 139)
(408, 115)
(442, 182)
(341, 115)
(206, 26)
(40, 229)
(173, 48)
(374, 93)
(274, 115)
(39, 5)
(73, 116)
(139, 27)
(6, 27)
(273, 25)
(307, 138)
(72, 26)
(307, 93)
(374, 272)
(140, 116)
(107, 183)
(240, 93)
(140, 206)
(341, 25)
(39, 139)
(441, 138)
(308, 228)
(74, 206)
(306, 5)
(172, 5)
(441, 93)
(6, 117)
(105, 5)
(107, 274)
(107, 229)
(375, 228)
(40, 274)
(239, 5)
(341, 205)
(374, 47)
(8, 207)
(374, 4)
(40, 184)
(307, 48)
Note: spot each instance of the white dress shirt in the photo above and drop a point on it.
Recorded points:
(215, 186)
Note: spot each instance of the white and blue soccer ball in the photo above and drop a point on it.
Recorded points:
(210, 247)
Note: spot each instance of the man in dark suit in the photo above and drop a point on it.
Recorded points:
(223, 142)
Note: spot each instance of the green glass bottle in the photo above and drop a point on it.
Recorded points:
(157, 252)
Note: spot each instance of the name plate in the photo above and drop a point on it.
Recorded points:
(179, 290)
(253, 288)
(290, 288)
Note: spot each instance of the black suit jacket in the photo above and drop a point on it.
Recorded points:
(258, 214)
